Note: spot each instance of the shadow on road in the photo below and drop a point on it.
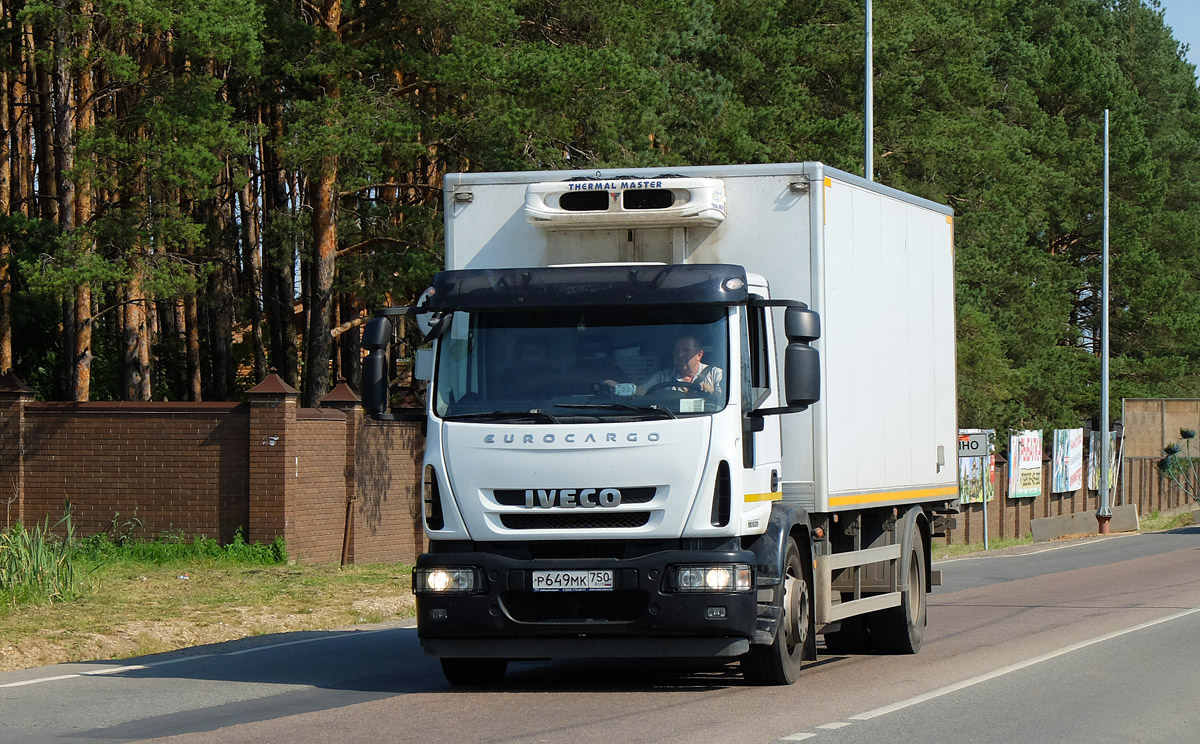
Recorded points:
(389, 661)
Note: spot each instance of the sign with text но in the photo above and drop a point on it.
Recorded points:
(973, 445)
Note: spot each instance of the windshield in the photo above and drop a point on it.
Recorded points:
(582, 364)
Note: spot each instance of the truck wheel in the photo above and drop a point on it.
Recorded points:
(900, 630)
(474, 672)
(779, 663)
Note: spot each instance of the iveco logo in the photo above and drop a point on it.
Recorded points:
(570, 498)
(573, 438)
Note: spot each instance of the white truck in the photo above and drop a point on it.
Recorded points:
(707, 412)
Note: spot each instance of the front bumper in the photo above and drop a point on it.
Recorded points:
(639, 617)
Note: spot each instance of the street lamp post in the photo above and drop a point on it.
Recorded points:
(1104, 514)
(869, 144)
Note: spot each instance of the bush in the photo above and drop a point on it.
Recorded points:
(174, 546)
(1181, 466)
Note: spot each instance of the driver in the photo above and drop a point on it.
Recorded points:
(688, 366)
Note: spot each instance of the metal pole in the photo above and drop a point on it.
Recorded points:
(1105, 512)
(985, 524)
(869, 145)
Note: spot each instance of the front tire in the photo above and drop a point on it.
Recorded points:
(779, 663)
(474, 672)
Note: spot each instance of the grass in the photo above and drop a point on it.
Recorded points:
(1155, 522)
(35, 564)
(173, 547)
(135, 598)
(942, 552)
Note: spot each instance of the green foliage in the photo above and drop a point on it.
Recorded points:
(36, 564)
(175, 547)
(990, 106)
(1182, 466)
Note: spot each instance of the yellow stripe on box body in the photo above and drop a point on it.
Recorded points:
(858, 499)
(773, 496)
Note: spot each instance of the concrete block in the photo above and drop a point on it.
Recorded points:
(1124, 519)
(1051, 528)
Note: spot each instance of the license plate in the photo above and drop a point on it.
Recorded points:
(572, 581)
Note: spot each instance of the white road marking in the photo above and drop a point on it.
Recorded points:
(43, 679)
(986, 554)
(1015, 667)
(178, 660)
(833, 726)
(797, 737)
(256, 649)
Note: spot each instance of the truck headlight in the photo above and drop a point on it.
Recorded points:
(448, 580)
(712, 578)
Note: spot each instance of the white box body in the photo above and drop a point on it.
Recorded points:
(875, 263)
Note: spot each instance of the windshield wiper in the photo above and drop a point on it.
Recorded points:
(620, 407)
(528, 413)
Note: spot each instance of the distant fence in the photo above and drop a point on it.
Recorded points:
(324, 479)
(1138, 482)
(330, 478)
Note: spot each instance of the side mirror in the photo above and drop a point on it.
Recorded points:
(801, 324)
(802, 375)
(801, 362)
(375, 340)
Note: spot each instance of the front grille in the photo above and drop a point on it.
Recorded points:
(516, 496)
(576, 521)
(578, 607)
(577, 549)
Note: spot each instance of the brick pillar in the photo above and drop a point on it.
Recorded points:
(273, 405)
(14, 395)
(346, 400)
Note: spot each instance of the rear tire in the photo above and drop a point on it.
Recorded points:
(851, 638)
(474, 672)
(779, 663)
(900, 630)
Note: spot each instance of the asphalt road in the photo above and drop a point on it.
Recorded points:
(1091, 641)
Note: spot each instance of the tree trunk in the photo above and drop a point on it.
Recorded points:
(324, 206)
(252, 268)
(279, 259)
(46, 205)
(351, 355)
(22, 47)
(320, 308)
(6, 189)
(64, 119)
(81, 340)
(135, 338)
(191, 343)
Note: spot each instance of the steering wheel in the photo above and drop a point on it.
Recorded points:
(690, 386)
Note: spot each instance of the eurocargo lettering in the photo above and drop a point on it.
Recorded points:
(705, 414)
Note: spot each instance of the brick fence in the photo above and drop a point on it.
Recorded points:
(322, 478)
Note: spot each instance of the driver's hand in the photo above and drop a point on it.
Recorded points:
(707, 387)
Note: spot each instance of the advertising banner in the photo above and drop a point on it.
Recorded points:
(977, 475)
(1066, 473)
(1094, 460)
(1025, 465)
